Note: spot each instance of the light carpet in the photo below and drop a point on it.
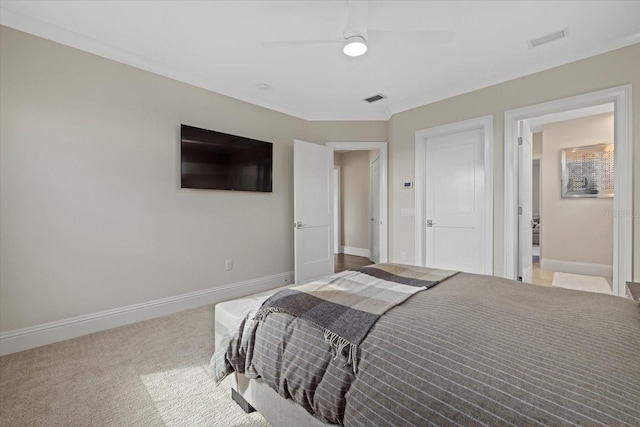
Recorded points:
(580, 282)
(152, 373)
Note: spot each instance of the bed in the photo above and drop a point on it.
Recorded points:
(466, 350)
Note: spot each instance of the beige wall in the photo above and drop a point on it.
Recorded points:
(574, 229)
(536, 147)
(616, 68)
(92, 216)
(348, 131)
(355, 199)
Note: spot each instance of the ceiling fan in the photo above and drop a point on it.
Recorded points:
(356, 33)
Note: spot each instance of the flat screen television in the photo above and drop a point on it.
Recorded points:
(219, 161)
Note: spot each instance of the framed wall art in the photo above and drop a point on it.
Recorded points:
(587, 171)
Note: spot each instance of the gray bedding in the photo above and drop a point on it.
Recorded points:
(473, 350)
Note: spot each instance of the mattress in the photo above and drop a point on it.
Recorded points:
(474, 350)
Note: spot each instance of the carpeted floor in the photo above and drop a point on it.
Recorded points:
(152, 373)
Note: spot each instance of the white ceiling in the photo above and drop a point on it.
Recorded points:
(217, 45)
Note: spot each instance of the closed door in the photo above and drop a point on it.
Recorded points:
(454, 201)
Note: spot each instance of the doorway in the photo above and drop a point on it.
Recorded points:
(374, 211)
(354, 203)
(622, 223)
(572, 236)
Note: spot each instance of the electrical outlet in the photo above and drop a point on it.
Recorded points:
(403, 256)
(228, 265)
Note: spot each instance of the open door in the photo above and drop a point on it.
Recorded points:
(313, 210)
(525, 204)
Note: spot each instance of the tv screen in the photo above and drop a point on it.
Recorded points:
(216, 160)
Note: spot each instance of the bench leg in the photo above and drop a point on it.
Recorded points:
(246, 407)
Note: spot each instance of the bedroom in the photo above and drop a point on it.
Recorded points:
(95, 232)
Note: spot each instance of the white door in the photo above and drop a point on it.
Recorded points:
(454, 201)
(525, 202)
(312, 210)
(374, 210)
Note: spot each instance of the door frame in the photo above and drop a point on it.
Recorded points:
(382, 150)
(486, 124)
(623, 198)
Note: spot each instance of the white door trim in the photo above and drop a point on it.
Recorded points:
(623, 198)
(486, 124)
(382, 149)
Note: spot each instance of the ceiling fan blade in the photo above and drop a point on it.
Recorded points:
(287, 43)
(426, 37)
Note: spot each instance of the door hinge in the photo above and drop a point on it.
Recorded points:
(519, 140)
(519, 210)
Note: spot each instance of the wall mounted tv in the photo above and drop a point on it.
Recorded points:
(216, 160)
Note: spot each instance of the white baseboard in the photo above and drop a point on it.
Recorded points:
(48, 333)
(349, 250)
(589, 269)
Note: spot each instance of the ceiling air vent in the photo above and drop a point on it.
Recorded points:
(375, 98)
(548, 38)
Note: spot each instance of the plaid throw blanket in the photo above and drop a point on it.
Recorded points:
(346, 305)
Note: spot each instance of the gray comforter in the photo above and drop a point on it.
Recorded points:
(473, 350)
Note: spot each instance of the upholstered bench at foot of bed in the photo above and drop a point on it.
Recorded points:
(229, 313)
(250, 394)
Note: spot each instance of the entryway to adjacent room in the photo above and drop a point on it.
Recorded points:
(360, 203)
(612, 216)
(572, 235)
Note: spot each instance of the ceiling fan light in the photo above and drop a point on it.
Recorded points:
(355, 46)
